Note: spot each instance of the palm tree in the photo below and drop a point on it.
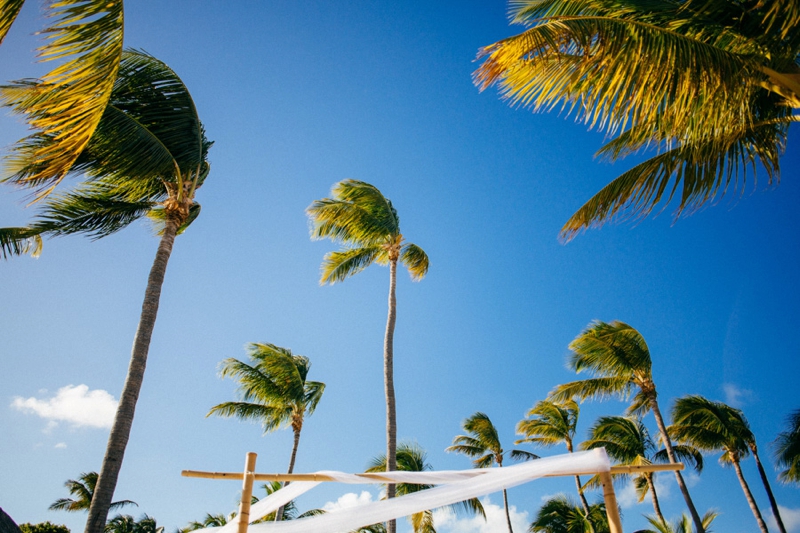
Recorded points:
(274, 390)
(618, 357)
(714, 426)
(210, 520)
(127, 524)
(147, 157)
(709, 86)
(67, 105)
(83, 490)
(627, 441)
(549, 423)
(560, 515)
(682, 525)
(412, 458)
(483, 443)
(367, 225)
(787, 449)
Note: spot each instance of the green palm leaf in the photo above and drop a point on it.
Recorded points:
(338, 266)
(9, 10)
(67, 104)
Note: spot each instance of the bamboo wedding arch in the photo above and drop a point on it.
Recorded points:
(452, 486)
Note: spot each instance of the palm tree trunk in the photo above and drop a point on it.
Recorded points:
(582, 497)
(749, 495)
(774, 504)
(123, 420)
(279, 514)
(662, 428)
(508, 514)
(388, 380)
(656, 506)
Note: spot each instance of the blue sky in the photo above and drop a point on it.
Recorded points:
(298, 96)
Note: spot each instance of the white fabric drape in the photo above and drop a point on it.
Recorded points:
(453, 487)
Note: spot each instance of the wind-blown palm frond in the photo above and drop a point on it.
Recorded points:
(67, 104)
(549, 423)
(415, 260)
(711, 426)
(8, 13)
(338, 266)
(82, 490)
(787, 450)
(560, 515)
(681, 525)
(270, 418)
(19, 241)
(709, 85)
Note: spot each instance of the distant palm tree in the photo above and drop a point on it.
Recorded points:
(549, 423)
(618, 357)
(367, 225)
(127, 524)
(787, 449)
(210, 520)
(290, 511)
(627, 441)
(714, 426)
(412, 458)
(560, 515)
(274, 391)
(146, 158)
(483, 443)
(83, 490)
(682, 525)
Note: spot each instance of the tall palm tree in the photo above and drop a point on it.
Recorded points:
(67, 105)
(549, 423)
(709, 86)
(275, 392)
(483, 443)
(627, 441)
(617, 356)
(412, 458)
(365, 222)
(682, 525)
(560, 515)
(714, 426)
(147, 157)
(82, 489)
(787, 449)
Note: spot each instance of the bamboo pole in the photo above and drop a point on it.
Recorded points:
(380, 478)
(612, 511)
(247, 491)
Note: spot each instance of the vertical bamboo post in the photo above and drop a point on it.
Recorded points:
(612, 511)
(247, 491)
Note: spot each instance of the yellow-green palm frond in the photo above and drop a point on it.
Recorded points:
(356, 214)
(711, 426)
(613, 72)
(158, 218)
(594, 388)
(612, 349)
(269, 416)
(66, 105)
(695, 173)
(338, 266)
(416, 260)
(9, 10)
(549, 423)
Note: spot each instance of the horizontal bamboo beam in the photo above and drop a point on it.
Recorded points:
(379, 478)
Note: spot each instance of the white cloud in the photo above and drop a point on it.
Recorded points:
(447, 522)
(351, 499)
(61, 445)
(735, 396)
(74, 404)
(790, 518)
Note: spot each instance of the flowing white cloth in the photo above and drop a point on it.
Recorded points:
(453, 487)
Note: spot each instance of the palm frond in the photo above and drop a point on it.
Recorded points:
(787, 449)
(9, 10)
(270, 417)
(338, 266)
(67, 104)
(697, 173)
(594, 388)
(19, 241)
(522, 455)
(416, 260)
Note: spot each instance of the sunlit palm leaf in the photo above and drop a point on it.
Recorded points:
(19, 241)
(67, 104)
(9, 10)
(415, 260)
(338, 266)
